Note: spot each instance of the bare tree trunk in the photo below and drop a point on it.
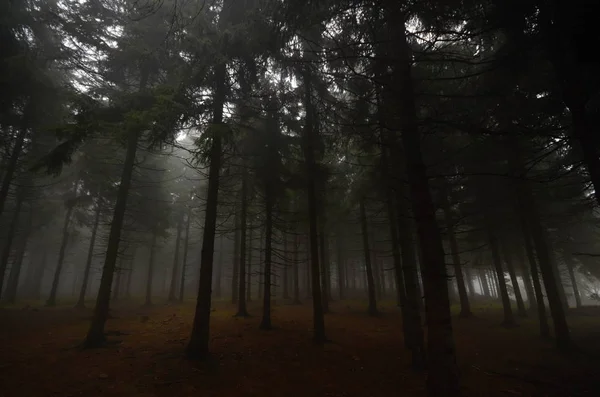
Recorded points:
(534, 225)
(95, 336)
(174, 271)
(341, 273)
(12, 164)
(442, 379)
(515, 282)
(509, 319)
(186, 244)
(15, 271)
(235, 264)
(150, 277)
(309, 141)
(90, 257)
(372, 310)
(571, 269)
(219, 275)
(250, 257)
(242, 310)
(265, 323)
(465, 307)
(61, 256)
(12, 231)
(197, 347)
(324, 265)
(295, 269)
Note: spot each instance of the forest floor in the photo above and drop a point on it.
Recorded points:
(39, 355)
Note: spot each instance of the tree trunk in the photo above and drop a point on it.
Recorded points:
(529, 210)
(514, 281)
(250, 257)
(198, 345)
(186, 244)
(242, 310)
(175, 270)
(150, 277)
(265, 323)
(61, 256)
(117, 283)
(309, 141)
(219, 272)
(235, 264)
(95, 336)
(526, 273)
(15, 271)
(341, 273)
(90, 257)
(465, 308)
(286, 264)
(296, 269)
(509, 319)
(324, 265)
(442, 379)
(39, 276)
(261, 264)
(372, 310)
(12, 165)
(12, 231)
(571, 269)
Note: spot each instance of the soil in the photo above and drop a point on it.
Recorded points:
(40, 355)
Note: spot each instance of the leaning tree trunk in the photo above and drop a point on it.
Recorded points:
(61, 256)
(15, 271)
(11, 167)
(90, 257)
(186, 244)
(198, 345)
(372, 310)
(242, 310)
(442, 379)
(95, 336)
(173, 285)
(571, 269)
(12, 231)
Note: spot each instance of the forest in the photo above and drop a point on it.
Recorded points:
(299, 198)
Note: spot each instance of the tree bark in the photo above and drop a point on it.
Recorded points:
(61, 256)
(265, 323)
(90, 257)
(15, 271)
(309, 140)
(442, 379)
(242, 310)
(150, 277)
(175, 269)
(534, 225)
(372, 309)
(465, 308)
(571, 269)
(12, 164)
(12, 231)
(514, 281)
(324, 265)
(95, 336)
(197, 347)
(341, 273)
(186, 244)
(219, 273)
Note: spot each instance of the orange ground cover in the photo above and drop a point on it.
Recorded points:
(38, 356)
